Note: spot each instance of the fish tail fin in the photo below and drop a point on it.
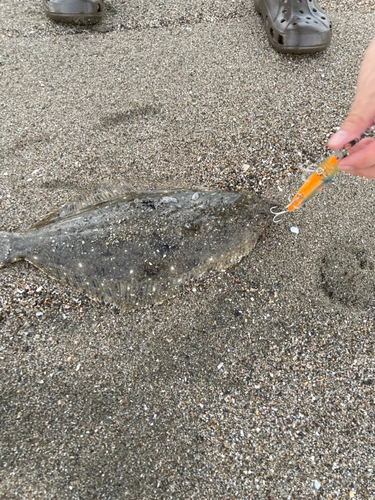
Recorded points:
(8, 251)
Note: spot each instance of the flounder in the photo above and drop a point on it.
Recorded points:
(133, 248)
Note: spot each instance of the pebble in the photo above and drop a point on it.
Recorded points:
(317, 484)
(168, 199)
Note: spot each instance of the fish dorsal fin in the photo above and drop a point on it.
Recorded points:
(84, 202)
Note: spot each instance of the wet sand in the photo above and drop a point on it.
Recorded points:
(256, 382)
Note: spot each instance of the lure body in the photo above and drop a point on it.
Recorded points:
(318, 179)
(315, 183)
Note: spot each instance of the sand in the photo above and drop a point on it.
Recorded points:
(256, 382)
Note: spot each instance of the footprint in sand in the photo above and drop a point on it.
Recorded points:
(348, 275)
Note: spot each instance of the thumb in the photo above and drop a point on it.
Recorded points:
(362, 114)
(358, 120)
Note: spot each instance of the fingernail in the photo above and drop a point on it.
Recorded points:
(339, 138)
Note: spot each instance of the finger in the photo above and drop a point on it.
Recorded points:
(361, 160)
(351, 129)
(365, 144)
(361, 156)
(368, 173)
(362, 113)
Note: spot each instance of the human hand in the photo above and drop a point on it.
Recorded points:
(361, 160)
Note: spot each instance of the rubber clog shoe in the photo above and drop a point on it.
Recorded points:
(88, 11)
(295, 26)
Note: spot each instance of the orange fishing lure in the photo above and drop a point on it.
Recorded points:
(315, 182)
(318, 179)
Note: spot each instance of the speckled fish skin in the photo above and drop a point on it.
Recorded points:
(135, 248)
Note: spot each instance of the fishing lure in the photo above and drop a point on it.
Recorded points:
(319, 178)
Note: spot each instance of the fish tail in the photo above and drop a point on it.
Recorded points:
(8, 252)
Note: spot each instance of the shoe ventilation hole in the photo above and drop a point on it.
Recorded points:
(99, 7)
(284, 11)
(308, 18)
(300, 11)
(282, 21)
(323, 18)
(314, 10)
(280, 40)
(316, 22)
(271, 32)
(295, 24)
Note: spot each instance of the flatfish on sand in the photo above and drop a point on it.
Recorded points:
(134, 248)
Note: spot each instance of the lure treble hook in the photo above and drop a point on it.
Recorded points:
(276, 218)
